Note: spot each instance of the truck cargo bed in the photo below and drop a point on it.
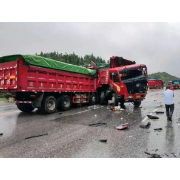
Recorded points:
(17, 76)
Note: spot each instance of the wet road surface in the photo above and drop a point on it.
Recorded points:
(69, 133)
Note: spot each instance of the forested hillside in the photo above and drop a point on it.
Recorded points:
(163, 75)
(72, 58)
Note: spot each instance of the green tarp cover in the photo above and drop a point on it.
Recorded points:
(48, 63)
(99, 65)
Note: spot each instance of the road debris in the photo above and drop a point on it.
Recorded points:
(174, 154)
(166, 155)
(152, 117)
(97, 124)
(158, 129)
(156, 150)
(147, 153)
(117, 108)
(147, 126)
(103, 140)
(60, 113)
(36, 136)
(159, 112)
(1, 134)
(153, 155)
(122, 126)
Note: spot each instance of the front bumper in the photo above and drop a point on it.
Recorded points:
(132, 97)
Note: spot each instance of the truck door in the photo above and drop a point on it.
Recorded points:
(115, 82)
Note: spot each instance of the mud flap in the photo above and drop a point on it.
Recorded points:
(37, 102)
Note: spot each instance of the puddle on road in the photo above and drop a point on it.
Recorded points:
(7, 125)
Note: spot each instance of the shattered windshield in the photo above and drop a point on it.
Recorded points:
(132, 73)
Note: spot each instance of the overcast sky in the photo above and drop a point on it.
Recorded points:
(155, 44)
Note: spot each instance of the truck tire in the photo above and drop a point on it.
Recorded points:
(48, 105)
(102, 98)
(122, 101)
(64, 103)
(137, 103)
(92, 99)
(25, 107)
(114, 97)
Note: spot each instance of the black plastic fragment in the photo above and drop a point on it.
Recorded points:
(153, 155)
(97, 124)
(36, 136)
(103, 140)
(159, 112)
(158, 129)
(1, 134)
(152, 117)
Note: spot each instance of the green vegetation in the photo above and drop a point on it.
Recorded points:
(5, 96)
(72, 58)
(2, 99)
(164, 76)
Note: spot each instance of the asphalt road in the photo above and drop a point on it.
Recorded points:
(68, 135)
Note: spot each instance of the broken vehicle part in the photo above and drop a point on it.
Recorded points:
(103, 140)
(122, 126)
(1, 134)
(152, 117)
(159, 112)
(37, 136)
(158, 129)
(97, 124)
(147, 126)
(153, 155)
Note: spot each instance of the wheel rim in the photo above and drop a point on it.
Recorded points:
(93, 99)
(66, 102)
(51, 105)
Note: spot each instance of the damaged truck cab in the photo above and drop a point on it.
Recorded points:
(124, 81)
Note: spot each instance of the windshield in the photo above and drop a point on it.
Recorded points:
(132, 73)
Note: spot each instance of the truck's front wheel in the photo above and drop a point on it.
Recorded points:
(25, 107)
(64, 103)
(102, 98)
(137, 103)
(115, 99)
(48, 105)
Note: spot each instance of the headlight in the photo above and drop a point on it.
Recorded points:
(130, 96)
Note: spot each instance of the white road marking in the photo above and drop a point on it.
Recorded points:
(149, 114)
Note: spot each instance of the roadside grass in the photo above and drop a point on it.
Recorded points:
(4, 99)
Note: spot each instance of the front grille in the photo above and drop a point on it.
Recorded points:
(136, 85)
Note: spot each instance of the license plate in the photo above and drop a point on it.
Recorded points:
(138, 96)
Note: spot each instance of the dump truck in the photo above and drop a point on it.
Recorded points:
(46, 84)
(121, 81)
(49, 85)
(176, 84)
(155, 83)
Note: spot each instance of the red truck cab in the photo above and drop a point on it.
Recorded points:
(124, 81)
